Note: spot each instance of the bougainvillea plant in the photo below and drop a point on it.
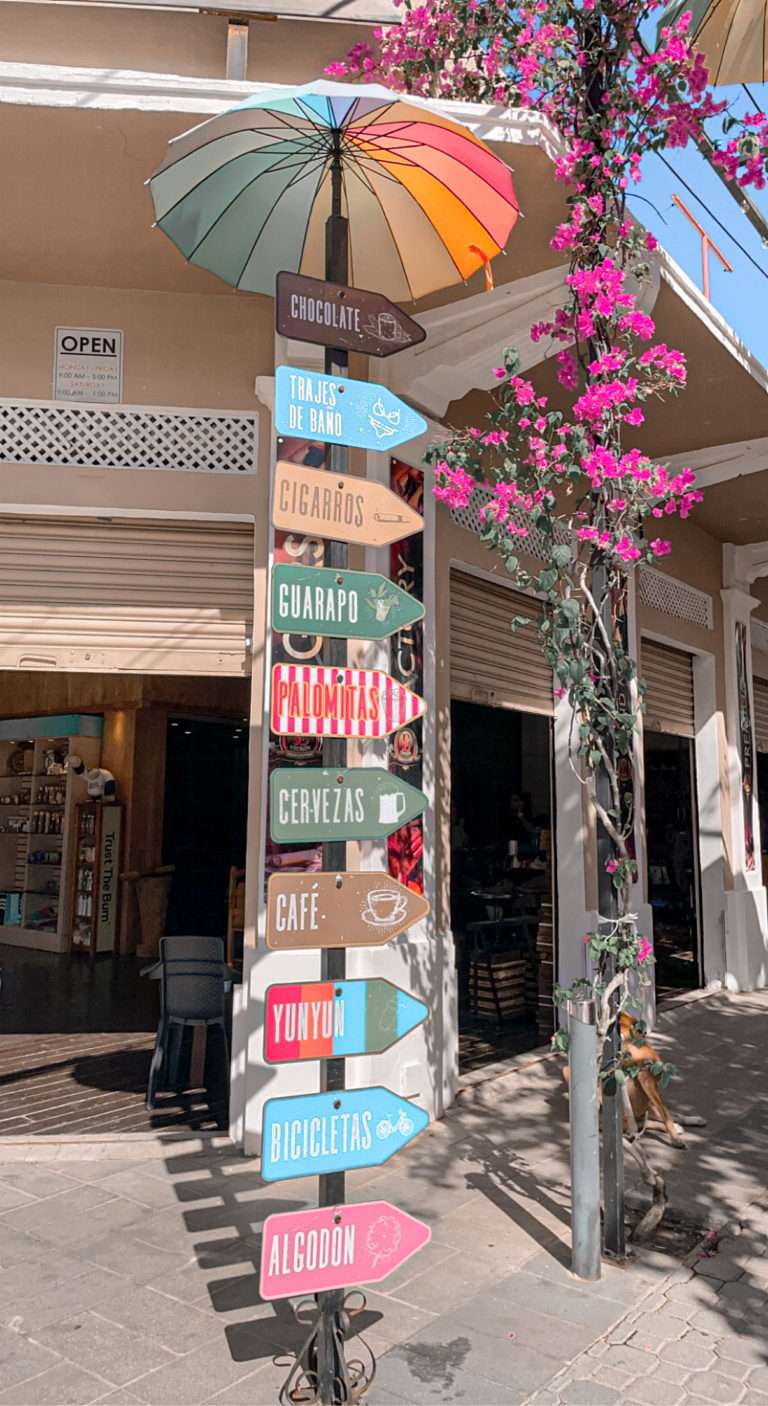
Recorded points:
(576, 478)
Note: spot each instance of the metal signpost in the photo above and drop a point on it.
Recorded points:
(337, 1019)
(338, 909)
(355, 803)
(325, 1134)
(313, 1134)
(338, 506)
(350, 605)
(312, 310)
(353, 413)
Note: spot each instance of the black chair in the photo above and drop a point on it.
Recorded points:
(193, 983)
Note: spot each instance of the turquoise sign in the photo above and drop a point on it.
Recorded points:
(349, 605)
(339, 803)
(314, 1134)
(336, 410)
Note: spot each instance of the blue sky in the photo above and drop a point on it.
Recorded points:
(741, 296)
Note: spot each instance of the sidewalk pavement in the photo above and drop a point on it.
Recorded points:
(132, 1276)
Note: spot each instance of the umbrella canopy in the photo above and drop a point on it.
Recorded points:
(247, 194)
(731, 34)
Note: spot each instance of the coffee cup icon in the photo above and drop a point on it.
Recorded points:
(392, 807)
(384, 907)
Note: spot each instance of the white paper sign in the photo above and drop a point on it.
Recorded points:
(88, 364)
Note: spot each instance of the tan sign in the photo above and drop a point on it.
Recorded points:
(339, 910)
(316, 503)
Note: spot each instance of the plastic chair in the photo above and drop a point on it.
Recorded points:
(193, 982)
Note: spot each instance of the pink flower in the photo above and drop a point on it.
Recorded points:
(611, 865)
(645, 950)
(660, 548)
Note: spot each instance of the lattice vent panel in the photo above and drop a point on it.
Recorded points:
(676, 598)
(535, 544)
(128, 437)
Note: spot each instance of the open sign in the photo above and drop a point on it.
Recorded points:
(88, 364)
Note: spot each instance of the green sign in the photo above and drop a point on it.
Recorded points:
(352, 803)
(316, 600)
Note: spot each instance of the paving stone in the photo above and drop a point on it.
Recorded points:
(754, 1398)
(758, 1379)
(729, 1368)
(21, 1359)
(567, 1302)
(137, 1259)
(420, 1373)
(63, 1385)
(611, 1376)
(695, 1352)
(753, 1299)
(669, 1372)
(62, 1299)
(35, 1180)
(179, 1327)
(103, 1347)
(653, 1330)
(741, 1349)
(717, 1322)
(120, 1397)
(713, 1386)
(589, 1393)
(654, 1391)
(627, 1359)
(722, 1267)
(193, 1379)
(487, 1313)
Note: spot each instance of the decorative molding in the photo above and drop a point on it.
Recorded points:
(673, 597)
(127, 437)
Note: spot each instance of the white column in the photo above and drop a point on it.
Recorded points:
(746, 918)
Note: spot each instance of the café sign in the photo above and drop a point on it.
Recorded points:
(351, 909)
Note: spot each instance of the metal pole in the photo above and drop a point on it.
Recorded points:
(585, 1140)
(333, 1379)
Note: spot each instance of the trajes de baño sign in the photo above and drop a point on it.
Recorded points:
(88, 364)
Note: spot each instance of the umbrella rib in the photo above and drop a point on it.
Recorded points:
(269, 215)
(362, 176)
(731, 23)
(226, 208)
(276, 166)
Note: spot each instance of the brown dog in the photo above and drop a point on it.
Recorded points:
(644, 1088)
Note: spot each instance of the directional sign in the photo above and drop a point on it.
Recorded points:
(359, 605)
(336, 410)
(305, 1252)
(311, 700)
(320, 504)
(314, 1134)
(335, 316)
(336, 1019)
(348, 803)
(364, 909)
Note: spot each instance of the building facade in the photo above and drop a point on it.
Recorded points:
(136, 456)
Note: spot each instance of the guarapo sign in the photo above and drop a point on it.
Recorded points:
(317, 600)
(311, 405)
(318, 700)
(333, 315)
(351, 909)
(337, 1019)
(316, 1134)
(348, 803)
(305, 1252)
(347, 509)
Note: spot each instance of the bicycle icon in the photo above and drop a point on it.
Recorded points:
(405, 1125)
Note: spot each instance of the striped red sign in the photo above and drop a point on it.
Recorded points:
(323, 701)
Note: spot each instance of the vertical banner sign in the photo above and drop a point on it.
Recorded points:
(746, 746)
(109, 866)
(406, 569)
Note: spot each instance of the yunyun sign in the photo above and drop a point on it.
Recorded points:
(306, 1252)
(315, 1134)
(311, 700)
(309, 404)
(348, 909)
(337, 1019)
(316, 600)
(312, 310)
(339, 506)
(353, 803)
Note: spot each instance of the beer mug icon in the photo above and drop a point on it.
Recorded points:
(392, 807)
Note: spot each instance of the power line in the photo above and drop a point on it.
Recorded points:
(713, 216)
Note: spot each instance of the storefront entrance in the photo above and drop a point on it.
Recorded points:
(501, 879)
(672, 846)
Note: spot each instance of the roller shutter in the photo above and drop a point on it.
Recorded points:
(491, 663)
(668, 677)
(129, 594)
(760, 693)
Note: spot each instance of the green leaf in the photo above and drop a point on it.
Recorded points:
(561, 554)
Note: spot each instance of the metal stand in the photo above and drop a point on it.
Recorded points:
(321, 1373)
(585, 1140)
(302, 1386)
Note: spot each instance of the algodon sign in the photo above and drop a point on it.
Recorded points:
(305, 1252)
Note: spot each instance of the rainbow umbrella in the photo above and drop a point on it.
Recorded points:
(247, 193)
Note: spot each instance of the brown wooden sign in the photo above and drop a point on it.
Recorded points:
(339, 910)
(334, 316)
(320, 504)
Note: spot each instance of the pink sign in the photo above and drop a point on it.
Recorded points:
(310, 700)
(304, 1252)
